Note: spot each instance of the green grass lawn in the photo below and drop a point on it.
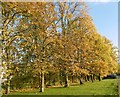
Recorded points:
(104, 87)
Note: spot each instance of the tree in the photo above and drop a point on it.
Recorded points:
(52, 42)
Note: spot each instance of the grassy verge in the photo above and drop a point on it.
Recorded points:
(105, 87)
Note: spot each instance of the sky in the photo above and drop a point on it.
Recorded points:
(105, 18)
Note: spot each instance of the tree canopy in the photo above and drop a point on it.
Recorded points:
(46, 43)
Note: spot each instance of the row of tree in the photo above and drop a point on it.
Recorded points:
(45, 43)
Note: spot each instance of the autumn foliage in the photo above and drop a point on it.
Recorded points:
(52, 44)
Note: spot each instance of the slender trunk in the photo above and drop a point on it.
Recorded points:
(92, 78)
(49, 79)
(60, 74)
(99, 77)
(80, 80)
(85, 77)
(54, 81)
(39, 76)
(88, 78)
(42, 82)
(72, 79)
(7, 90)
(66, 80)
(45, 81)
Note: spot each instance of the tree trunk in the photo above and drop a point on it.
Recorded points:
(99, 77)
(88, 78)
(7, 90)
(72, 79)
(92, 78)
(66, 80)
(60, 76)
(54, 81)
(85, 77)
(45, 80)
(80, 80)
(49, 79)
(42, 82)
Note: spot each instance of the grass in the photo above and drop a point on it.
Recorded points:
(104, 87)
